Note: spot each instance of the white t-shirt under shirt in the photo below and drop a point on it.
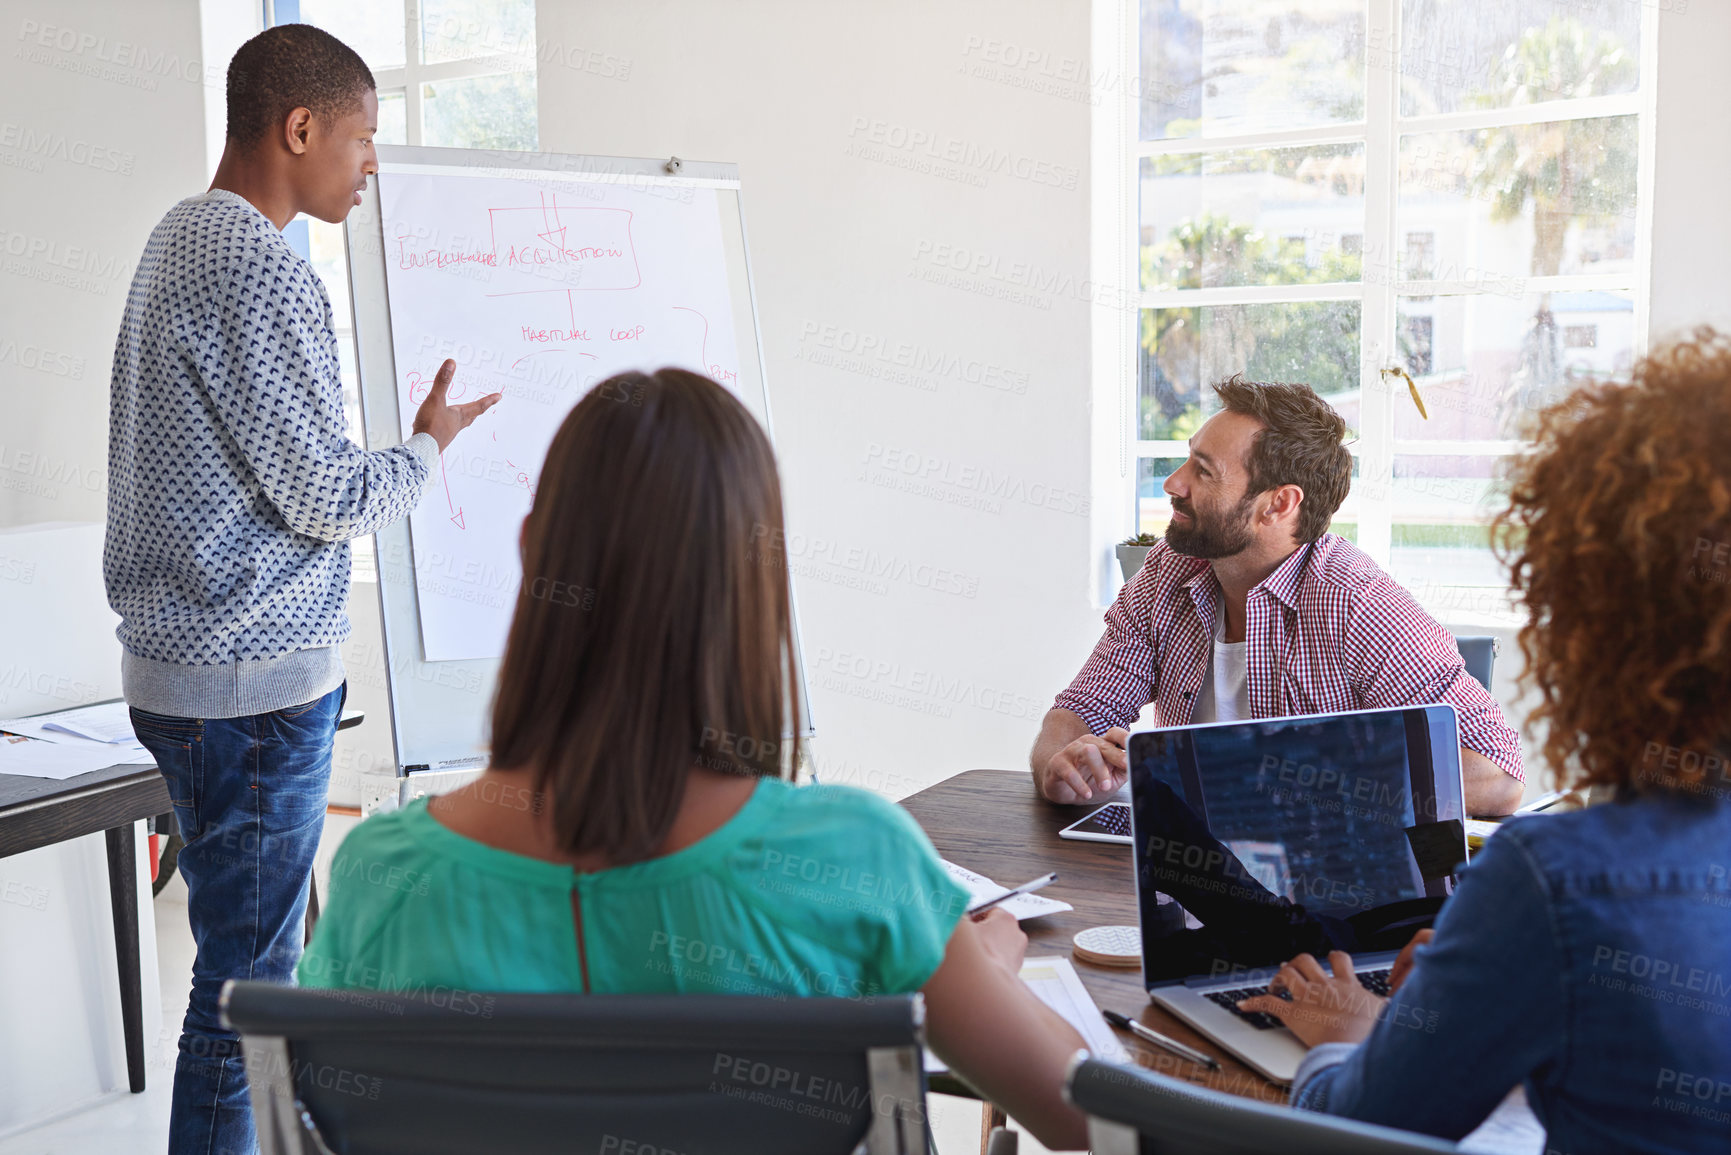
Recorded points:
(1225, 693)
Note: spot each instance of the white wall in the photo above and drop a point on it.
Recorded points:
(101, 130)
(817, 103)
(61, 1040)
(1692, 170)
(61, 1037)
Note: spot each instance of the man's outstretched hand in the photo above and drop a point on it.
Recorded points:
(1093, 766)
(444, 421)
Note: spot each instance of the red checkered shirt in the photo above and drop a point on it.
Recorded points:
(1328, 630)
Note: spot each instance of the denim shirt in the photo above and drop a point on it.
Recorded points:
(1586, 955)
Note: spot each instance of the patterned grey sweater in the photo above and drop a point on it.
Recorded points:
(233, 486)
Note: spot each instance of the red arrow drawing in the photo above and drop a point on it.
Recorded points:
(457, 517)
(555, 234)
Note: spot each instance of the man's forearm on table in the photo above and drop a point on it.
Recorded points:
(1058, 729)
(1490, 790)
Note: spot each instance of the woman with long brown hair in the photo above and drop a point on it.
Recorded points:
(633, 831)
(1584, 955)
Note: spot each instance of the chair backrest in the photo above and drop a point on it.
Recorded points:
(1479, 652)
(1133, 1111)
(444, 1070)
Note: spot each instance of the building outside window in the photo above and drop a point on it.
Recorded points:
(1415, 344)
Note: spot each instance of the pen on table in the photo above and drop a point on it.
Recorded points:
(1159, 1040)
(1025, 888)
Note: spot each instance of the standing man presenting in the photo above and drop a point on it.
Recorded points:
(234, 490)
(1251, 609)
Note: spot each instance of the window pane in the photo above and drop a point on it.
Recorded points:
(1533, 200)
(1440, 548)
(1256, 217)
(1153, 509)
(393, 118)
(330, 261)
(460, 29)
(1212, 67)
(1457, 56)
(1182, 351)
(374, 29)
(1494, 361)
(480, 112)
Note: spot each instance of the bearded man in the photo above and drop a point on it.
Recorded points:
(1250, 608)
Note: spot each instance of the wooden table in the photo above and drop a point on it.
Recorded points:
(37, 812)
(991, 821)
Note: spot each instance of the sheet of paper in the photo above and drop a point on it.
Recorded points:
(1055, 982)
(128, 750)
(103, 722)
(539, 287)
(116, 752)
(33, 728)
(1022, 906)
(60, 760)
(1512, 1129)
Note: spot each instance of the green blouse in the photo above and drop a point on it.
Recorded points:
(807, 890)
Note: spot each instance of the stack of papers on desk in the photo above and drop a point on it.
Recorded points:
(109, 722)
(35, 758)
(70, 743)
(981, 888)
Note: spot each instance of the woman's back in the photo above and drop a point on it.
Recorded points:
(1640, 912)
(633, 833)
(1587, 955)
(816, 890)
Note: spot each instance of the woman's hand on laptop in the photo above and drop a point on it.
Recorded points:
(1093, 766)
(1324, 1008)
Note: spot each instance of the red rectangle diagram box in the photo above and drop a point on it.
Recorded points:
(576, 248)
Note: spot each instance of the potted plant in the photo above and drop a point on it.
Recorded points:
(1133, 551)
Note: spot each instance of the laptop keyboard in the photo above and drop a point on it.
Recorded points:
(1376, 982)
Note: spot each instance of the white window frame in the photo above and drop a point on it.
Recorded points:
(1117, 156)
(414, 74)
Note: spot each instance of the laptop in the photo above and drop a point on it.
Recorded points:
(1255, 841)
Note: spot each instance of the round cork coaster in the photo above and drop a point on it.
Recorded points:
(1109, 946)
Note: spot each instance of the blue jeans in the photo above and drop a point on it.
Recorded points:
(249, 798)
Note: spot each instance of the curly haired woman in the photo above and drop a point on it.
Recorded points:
(1586, 956)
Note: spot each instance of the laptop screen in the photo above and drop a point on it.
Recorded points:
(1256, 841)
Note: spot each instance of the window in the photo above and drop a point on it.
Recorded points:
(451, 74)
(1325, 190)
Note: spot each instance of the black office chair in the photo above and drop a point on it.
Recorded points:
(1479, 652)
(1132, 1111)
(449, 1071)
